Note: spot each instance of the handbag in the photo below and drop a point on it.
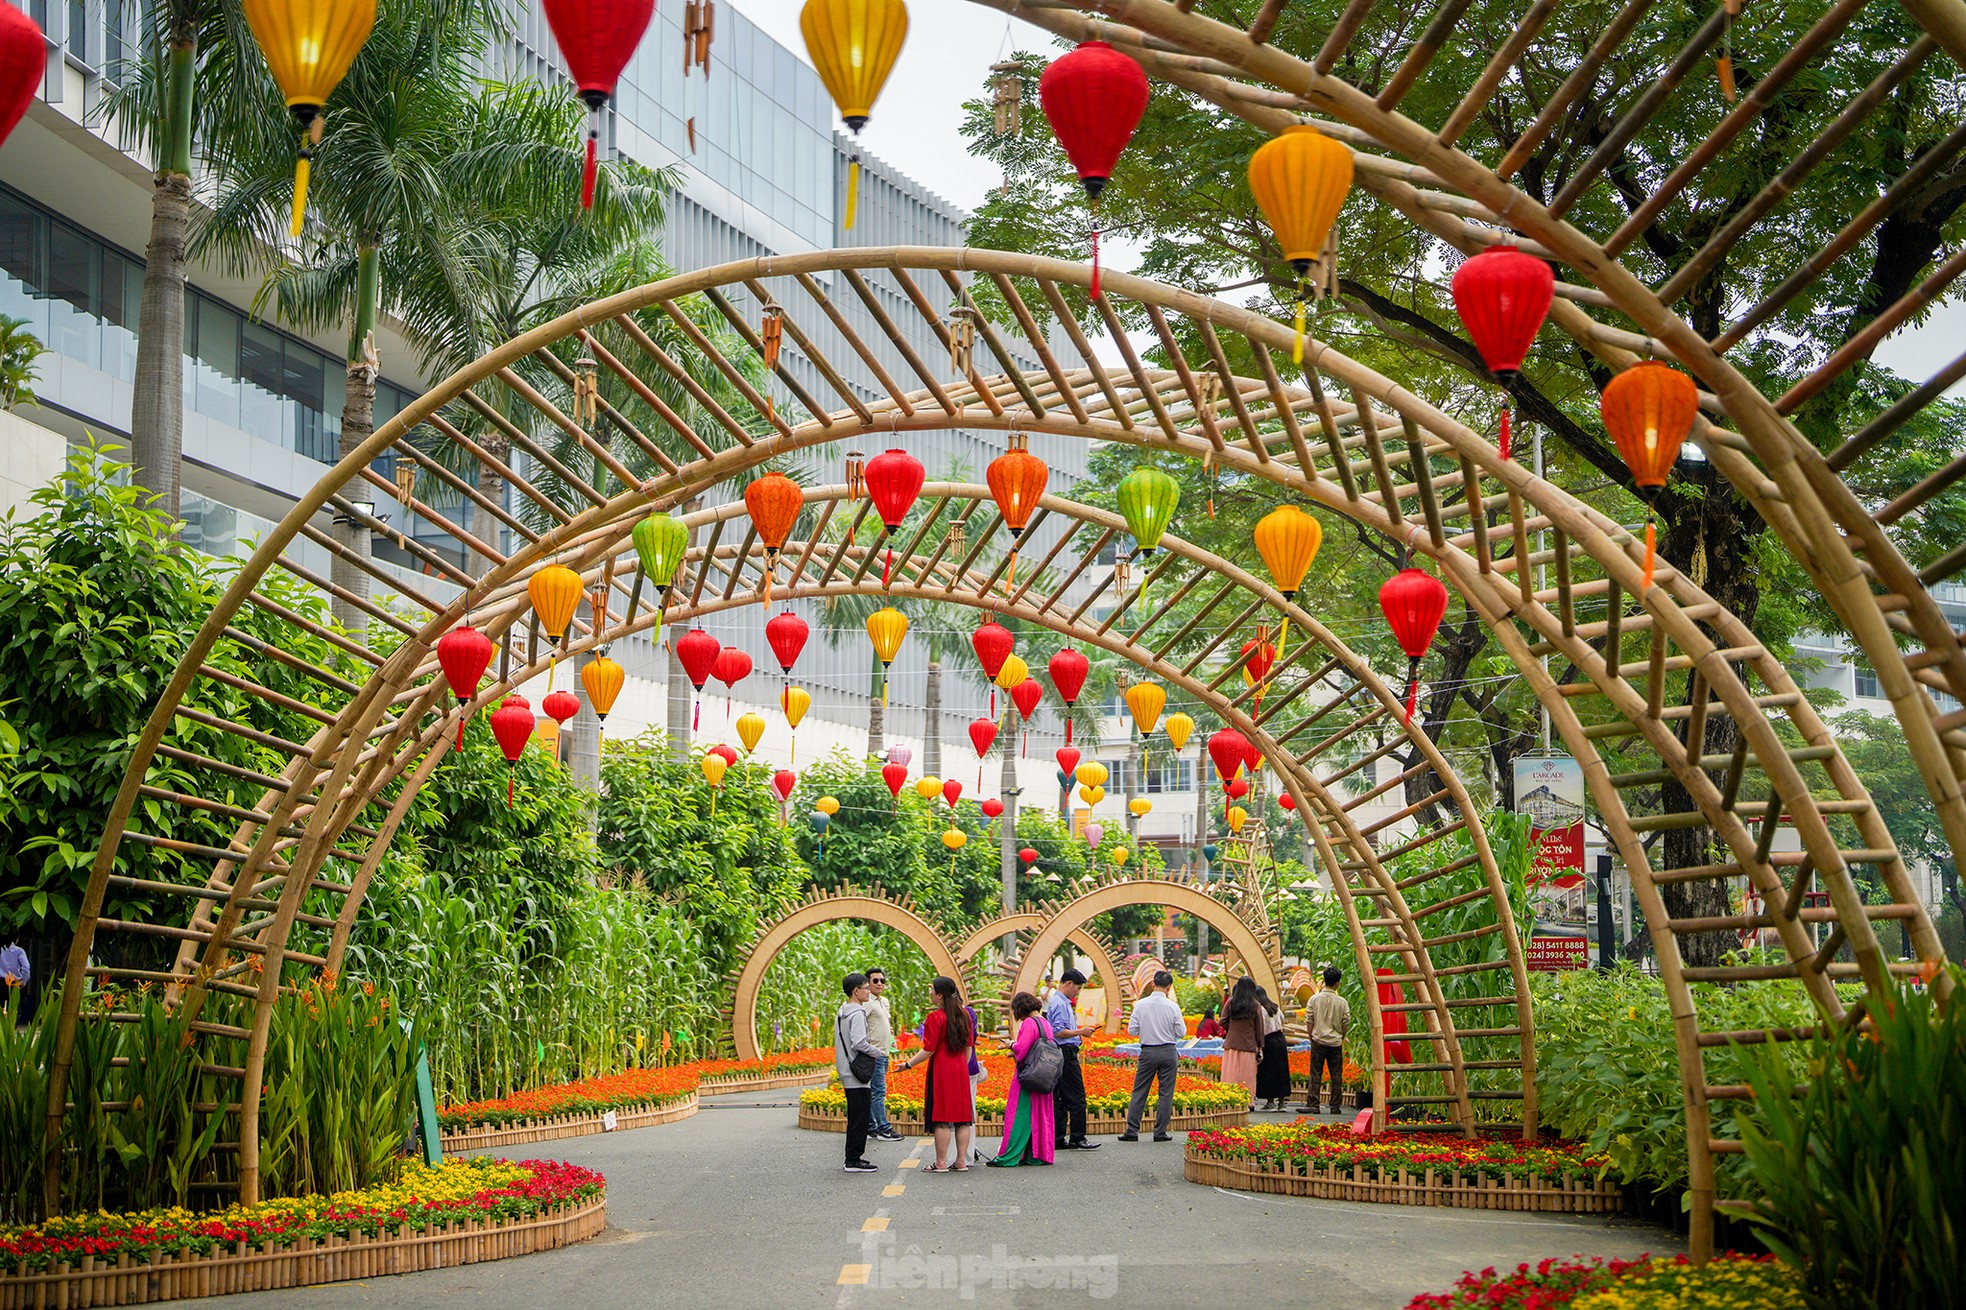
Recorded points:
(1042, 1066)
(859, 1063)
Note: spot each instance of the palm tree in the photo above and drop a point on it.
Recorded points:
(199, 79)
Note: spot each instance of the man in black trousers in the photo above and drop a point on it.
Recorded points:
(1068, 1099)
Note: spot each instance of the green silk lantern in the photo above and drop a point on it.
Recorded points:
(1147, 498)
(660, 542)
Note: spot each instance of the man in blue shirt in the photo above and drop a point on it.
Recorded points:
(1068, 1099)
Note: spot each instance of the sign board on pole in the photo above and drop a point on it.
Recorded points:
(1548, 954)
(1549, 789)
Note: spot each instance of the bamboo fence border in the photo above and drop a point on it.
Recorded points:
(566, 1125)
(1442, 1187)
(827, 1121)
(771, 1082)
(310, 1261)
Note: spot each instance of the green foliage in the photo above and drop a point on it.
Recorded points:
(24, 1051)
(1604, 1073)
(19, 348)
(801, 992)
(1858, 1168)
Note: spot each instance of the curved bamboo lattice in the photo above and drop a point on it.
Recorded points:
(1020, 927)
(311, 835)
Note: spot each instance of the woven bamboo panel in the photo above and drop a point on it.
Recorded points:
(565, 1125)
(1574, 1195)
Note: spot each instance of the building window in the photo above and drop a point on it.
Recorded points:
(1867, 681)
(1174, 775)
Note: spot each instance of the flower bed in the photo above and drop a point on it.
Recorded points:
(1727, 1282)
(1491, 1172)
(1198, 1102)
(458, 1212)
(789, 1069)
(636, 1097)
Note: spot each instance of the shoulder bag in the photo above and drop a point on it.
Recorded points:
(1042, 1066)
(858, 1063)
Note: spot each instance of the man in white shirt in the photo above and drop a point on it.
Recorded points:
(880, 1031)
(1158, 1023)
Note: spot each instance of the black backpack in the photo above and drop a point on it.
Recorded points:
(1042, 1066)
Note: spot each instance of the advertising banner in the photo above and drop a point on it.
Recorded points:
(1548, 954)
(1549, 789)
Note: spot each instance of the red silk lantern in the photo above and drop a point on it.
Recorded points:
(896, 777)
(598, 38)
(992, 808)
(982, 735)
(1414, 603)
(1649, 410)
(1026, 695)
(1287, 801)
(697, 650)
(1237, 788)
(952, 792)
(23, 63)
(1503, 296)
(782, 782)
(512, 723)
(731, 666)
(1261, 658)
(560, 706)
(1029, 855)
(729, 754)
(464, 653)
(894, 478)
(787, 634)
(1068, 671)
(1230, 751)
(993, 643)
(1068, 760)
(1254, 759)
(1094, 97)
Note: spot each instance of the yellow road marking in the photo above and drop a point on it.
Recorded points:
(854, 1275)
(893, 1189)
(875, 1225)
(910, 1163)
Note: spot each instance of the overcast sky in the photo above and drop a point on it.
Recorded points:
(917, 124)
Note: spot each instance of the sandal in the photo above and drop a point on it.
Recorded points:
(957, 1169)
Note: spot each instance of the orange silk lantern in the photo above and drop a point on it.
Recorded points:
(1288, 539)
(1300, 179)
(773, 501)
(1649, 410)
(555, 594)
(1017, 479)
(885, 628)
(603, 679)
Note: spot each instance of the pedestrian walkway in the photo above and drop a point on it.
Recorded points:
(736, 1209)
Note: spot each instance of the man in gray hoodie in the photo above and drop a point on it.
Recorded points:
(850, 1039)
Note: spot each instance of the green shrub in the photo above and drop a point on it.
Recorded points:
(1861, 1170)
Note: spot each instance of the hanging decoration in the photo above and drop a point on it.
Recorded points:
(1237, 817)
(1026, 695)
(699, 29)
(795, 701)
(1139, 807)
(1300, 179)
(1094, 834)
(660, 540)
(1413, 603)
(1094, 97)
(993, 643)
(1091, 793)
(1068, 760)
(598, 38)
(698, 651)
(773, 502)
(1119, 856)
(512, 723)
(1237, 788)
(901, 753)
(1179, 726)
(1017, 479)
(783, 782)
(464, 653)
(727, 753)
(603, 679)
(1147, 501)
(1068, 670)
(23, 65)
(308, 47)
(1649, 411)
(586, 390)
(982, 735)
(1287, 801)
(829, 805)
(1029, 855)
(928, 788)
(1288, 539)
(560, 706)
(885, 628)
(952, 791)
(1503, 296)
(786, 633)
(962, 340)
(1145, 701)
(853, 44)
(1723, 64)
(731, 667)
(1014, 673)
(894, 479)
(895, 776)
(992, 808)
(820, 821)
(750, 730)
(555, 593)
(954, 839)
(1006, 98)
(714, 767)
(1229, 750)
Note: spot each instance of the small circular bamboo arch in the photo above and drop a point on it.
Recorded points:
(1031, 921)
(849, 904)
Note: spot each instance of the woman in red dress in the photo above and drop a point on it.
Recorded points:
(947, 1103)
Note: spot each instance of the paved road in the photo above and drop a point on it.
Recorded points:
(736, 1208)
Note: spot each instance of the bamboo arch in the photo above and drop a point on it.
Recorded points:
(1387, 460)
(846, 905)
(1031, 921)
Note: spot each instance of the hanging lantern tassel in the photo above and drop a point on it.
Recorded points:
(853, 186)
(1651, 534)
(1505, 439)
(463, 717)
(510, 775)
(303, 170)
(1095, 249)
(591, 173)
(1297, 346)
(1724, 65)
(1412, 687)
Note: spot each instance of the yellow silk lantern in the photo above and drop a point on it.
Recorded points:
(853, 45)
(750, 730)
(955, 839)
(1300, 179)
(1237, 817)
(1014, 672)
(1092, 773)
(714, 768)
(308, 45)
(929, 788)
(795, 701)
(1146, 700)
(1092, 793)
(1288, 539)
(1139, 807)
(1119, 855)
(1179, 726)
(555, 595)
(885, 628)
(828, 805)
(603, 679)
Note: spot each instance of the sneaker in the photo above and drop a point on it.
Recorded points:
(1129, 1137)
(862, 1167)
(889, 1135)
(1163, 1137)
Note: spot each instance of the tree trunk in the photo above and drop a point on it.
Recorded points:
(877, 716)
(932, 717)
(157, 406)
(357, 425)
(583, 734)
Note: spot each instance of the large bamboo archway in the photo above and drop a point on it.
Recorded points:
(338, 778)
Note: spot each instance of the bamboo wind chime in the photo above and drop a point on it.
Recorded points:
(856, 486)
(699, 28)
(586, 391)
(962, 340)
(1006, 98)
(771, 335)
